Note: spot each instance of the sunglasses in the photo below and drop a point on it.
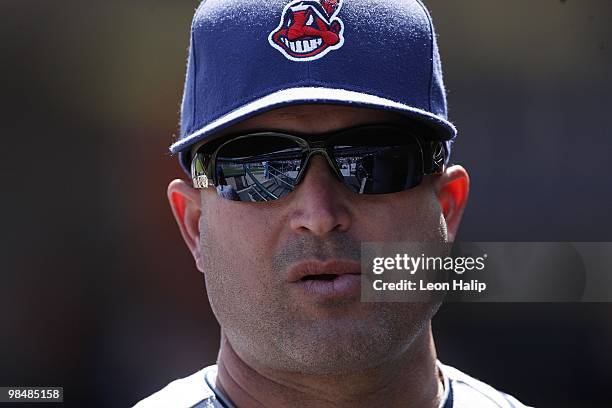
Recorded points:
(266, 166)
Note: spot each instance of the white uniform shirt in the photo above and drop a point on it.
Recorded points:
(199, 391)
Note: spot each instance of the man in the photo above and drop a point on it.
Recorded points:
(342, 105)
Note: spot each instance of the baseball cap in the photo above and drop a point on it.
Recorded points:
(251, 56)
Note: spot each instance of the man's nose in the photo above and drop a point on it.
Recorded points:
(320, 202)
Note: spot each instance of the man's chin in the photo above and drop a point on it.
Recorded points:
(341, 344)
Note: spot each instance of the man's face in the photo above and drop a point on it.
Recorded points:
(247, 252)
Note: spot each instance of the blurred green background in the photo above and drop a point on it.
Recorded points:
(98, 292)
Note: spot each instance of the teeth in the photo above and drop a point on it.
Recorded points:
(303, 46)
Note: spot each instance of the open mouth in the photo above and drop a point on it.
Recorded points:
(322, 271)
(308, 29)
(334, 279)
(330, 286)
(302, 46)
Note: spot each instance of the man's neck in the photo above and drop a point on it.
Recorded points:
(412, 380)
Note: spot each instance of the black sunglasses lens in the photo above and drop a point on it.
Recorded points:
(265, 167)
(257, 168)
(386, 168)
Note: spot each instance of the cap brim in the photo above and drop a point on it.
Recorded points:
(441, 128)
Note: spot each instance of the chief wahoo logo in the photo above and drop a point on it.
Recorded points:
(308, 29)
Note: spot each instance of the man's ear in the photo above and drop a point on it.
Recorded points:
(185, 204)
(452, 188)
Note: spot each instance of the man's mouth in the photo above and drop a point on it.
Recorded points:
(322, 270)
(302, 46)
(333, 279)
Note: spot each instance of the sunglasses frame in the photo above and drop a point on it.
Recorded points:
(203, 163)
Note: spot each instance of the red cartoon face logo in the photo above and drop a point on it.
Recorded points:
(308, 29)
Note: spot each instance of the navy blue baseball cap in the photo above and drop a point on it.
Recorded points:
(251, 56)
